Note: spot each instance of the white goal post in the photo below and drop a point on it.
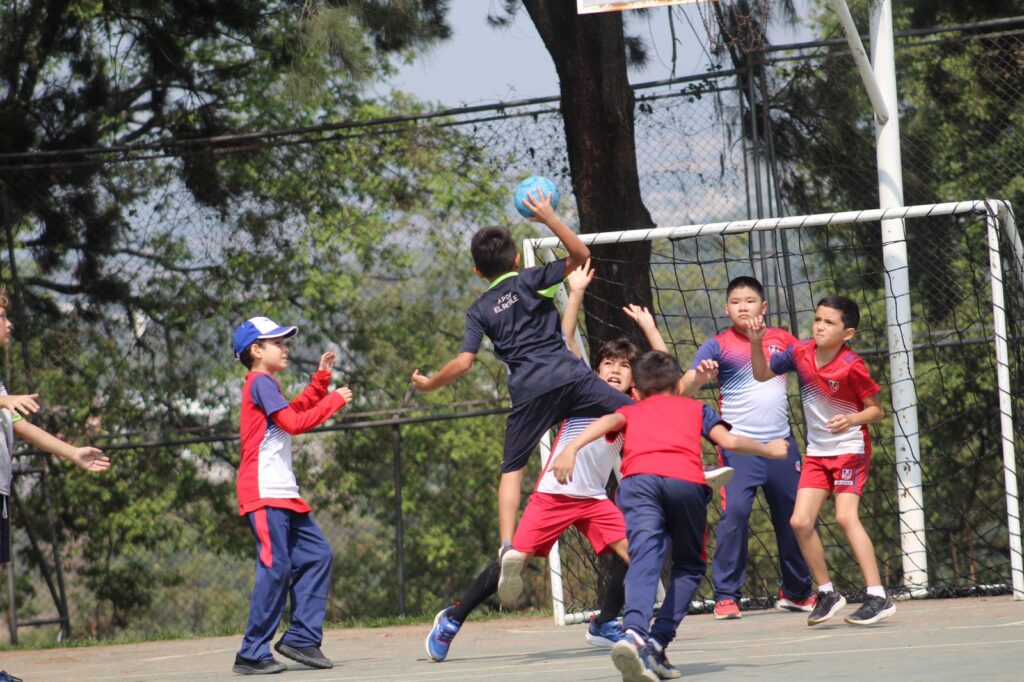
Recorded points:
(998, 215)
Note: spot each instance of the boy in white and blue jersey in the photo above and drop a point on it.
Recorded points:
(759, 411)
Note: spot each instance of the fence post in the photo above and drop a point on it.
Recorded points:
(396, 464)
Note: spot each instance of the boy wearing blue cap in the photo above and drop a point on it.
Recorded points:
(292, 554)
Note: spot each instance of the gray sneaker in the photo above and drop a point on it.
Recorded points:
(306, 655)
(247, 666)
(827, 604)
(872, 610)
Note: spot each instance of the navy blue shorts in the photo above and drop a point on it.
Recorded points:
(5, 530)
(589, 396)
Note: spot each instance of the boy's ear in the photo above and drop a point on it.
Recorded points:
(764, 307)
(515, 265)
(476, 271)
(848, 333)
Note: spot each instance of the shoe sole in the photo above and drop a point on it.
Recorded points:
(426, 642)
(728, 616)
(718, 477)
(793, 608)
(627, 661)
(245, 670)
(835, 609)
(299, 657)
(599, 642)
(881, 615)
(510, 582)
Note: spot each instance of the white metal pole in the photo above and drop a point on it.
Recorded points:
(897, 308)
(1005, 409)
(860, 58)
(554, 558)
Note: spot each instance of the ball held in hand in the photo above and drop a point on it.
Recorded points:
(540, 186)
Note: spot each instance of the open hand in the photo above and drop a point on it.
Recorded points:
(706, 371)
(25, 404)
(90, 459)
(580, 278)
(540, 205)
(640, 315)
(345, 392)
(327, 361)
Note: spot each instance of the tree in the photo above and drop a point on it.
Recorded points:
(591, 54)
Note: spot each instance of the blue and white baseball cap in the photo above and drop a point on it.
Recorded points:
(258, 328)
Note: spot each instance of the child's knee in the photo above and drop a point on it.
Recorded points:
(848, 520)
(801, 524)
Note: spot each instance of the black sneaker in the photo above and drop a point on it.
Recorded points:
(306, 655)
(872, 610)
(7, 677)
(247, 666)
(826, 605)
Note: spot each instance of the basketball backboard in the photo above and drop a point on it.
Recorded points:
(594, 6)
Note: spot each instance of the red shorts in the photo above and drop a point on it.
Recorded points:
(547, 516)
(839, 473)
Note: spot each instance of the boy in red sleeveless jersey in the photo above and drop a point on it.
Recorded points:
(840, 399)
(292, 554)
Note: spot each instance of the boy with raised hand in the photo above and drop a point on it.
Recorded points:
(546, 382)
(664, 496)
(840, 399)
(760, 411)
(13, 410)
(292, 554)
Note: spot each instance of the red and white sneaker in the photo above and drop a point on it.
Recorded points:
(727, 609)
(786, 604)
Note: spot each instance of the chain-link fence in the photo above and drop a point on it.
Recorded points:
(130, 267)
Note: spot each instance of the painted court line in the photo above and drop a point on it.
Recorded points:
(905, 647)
(189, 655)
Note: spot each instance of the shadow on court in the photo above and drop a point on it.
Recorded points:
(929, 639)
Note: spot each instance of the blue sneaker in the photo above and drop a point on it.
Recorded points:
(605, 635)
(7, 677)
(440, 638)
(630, 656)
(658, 661)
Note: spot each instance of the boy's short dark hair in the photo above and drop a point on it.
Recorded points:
(617, 349)
(848, 310)
(494, 251)
(745, 281)
(245, 357)
(656, 372)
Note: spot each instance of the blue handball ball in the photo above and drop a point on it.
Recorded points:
(540, 186)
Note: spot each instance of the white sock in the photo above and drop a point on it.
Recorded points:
(876, 591)
(827, 587)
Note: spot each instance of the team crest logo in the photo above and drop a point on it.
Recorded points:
(847, 474)
(833, 384)
(774, 349)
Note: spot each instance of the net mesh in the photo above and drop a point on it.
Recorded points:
(965, 508)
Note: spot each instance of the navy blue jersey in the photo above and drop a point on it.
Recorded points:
(524, 326)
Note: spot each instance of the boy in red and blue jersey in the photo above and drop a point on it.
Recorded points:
(840, 399)
(759, 411)
(292, 553)
(663, 495)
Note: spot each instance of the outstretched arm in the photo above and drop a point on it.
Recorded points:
(544, 213)
(578, 281)
(90, 459)
(449, 373)
(566, 460)
(645, 320)
(725, 439)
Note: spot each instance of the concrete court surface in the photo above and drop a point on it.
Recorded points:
(958, 639)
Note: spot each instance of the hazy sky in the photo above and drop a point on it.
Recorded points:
(481, 64)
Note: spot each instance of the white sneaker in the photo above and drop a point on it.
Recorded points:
(718, 476)
(510, 582)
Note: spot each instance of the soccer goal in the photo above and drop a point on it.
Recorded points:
(942, 504)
